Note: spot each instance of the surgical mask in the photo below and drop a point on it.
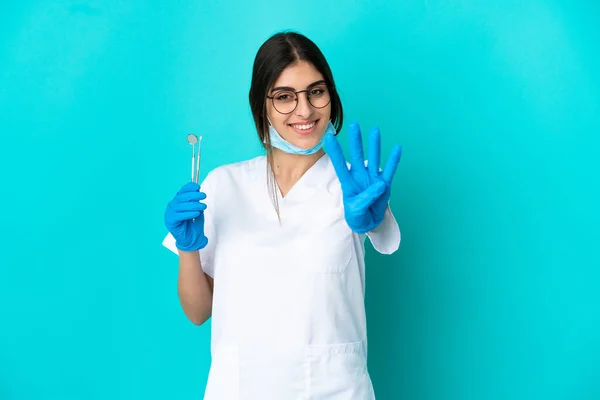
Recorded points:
(285, 146)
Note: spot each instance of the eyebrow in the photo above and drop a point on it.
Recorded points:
(321, 82)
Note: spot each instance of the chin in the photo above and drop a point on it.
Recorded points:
(308, 144)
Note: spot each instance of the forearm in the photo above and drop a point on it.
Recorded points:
(194, 288)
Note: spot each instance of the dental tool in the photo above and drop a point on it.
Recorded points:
(198, 160)
(192, 140)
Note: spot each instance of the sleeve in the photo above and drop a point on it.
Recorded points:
(386, 237)
(207, 253)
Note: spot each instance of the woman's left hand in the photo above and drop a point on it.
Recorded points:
(365, 189)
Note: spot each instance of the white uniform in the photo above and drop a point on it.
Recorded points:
(288, 319)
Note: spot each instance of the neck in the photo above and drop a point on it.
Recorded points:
(290, 167)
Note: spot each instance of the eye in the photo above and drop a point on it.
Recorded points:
(317, 91)
(284, 96)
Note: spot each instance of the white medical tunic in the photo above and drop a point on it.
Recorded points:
(288, 317)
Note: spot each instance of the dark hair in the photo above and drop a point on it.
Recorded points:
(280, 51)
(276, 54)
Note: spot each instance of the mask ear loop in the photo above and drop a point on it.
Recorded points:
(270, 127)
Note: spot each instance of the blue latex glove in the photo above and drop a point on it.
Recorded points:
(366, 190)
(184, 218)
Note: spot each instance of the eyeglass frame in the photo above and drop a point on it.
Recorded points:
(272, 98)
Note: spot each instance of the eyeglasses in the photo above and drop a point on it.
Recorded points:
(285, 101)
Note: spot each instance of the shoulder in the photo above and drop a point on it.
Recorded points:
(237, 172)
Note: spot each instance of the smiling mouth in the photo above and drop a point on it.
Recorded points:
(305, 127)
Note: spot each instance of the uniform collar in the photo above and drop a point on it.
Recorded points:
(314, 178)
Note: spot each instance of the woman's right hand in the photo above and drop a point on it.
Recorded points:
(184, 218)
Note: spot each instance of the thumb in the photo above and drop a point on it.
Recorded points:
(367, 197)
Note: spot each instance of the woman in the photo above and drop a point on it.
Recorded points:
(273, 247)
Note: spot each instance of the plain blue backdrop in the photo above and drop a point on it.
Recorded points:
(494, 293)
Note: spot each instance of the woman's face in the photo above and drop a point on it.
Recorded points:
(306, 124)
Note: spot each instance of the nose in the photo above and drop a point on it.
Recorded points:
(304, 108)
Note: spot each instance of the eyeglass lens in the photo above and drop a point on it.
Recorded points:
(286, 101)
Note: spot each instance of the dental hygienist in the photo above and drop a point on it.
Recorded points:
(273, 247)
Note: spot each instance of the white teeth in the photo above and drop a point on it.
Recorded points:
(304, 127)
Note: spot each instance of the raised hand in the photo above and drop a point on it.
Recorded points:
(366, 189)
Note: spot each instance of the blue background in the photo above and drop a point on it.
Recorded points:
(494, 293)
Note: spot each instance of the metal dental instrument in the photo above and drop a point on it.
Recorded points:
(193, 139)
(198, 160)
